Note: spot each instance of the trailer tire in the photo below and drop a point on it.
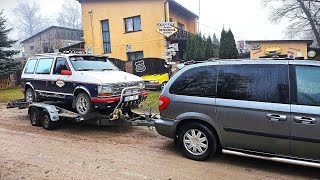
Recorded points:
(47, 123)
(34, 114)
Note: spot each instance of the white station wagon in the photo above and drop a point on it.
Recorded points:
(86, 82)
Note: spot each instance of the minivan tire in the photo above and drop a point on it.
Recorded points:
(30, 92)
(83, 99)
(190, 142)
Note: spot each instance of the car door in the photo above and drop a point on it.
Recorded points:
(62, 85)
(305, 112)
(252, 107)
(42, 77)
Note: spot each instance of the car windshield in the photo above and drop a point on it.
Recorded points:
(91, 63)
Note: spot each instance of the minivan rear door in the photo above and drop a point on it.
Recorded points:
(253, 108)
(305, 111)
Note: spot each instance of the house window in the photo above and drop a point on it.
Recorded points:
(133, 24)
(106, 36)
(180, 26)
(135, 55)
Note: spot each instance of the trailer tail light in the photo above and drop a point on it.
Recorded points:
(163, 103)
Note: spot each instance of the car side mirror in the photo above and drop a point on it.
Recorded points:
(66, 72)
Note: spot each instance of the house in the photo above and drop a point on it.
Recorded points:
(50, 40)
(297, 49)
(127, 29)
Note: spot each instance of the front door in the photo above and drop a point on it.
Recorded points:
(62, 85)
(253, 108)
(305, 108)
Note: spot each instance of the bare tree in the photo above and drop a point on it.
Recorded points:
(303, 15)
(28, 18)
(70, 15)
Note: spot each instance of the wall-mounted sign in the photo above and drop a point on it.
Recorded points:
(299, 54)
(88, 50)
(167, 29)
(128, 48)
(255, 46)
(273, 51)
(312, 54)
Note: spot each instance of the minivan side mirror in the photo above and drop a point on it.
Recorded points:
(66, 72)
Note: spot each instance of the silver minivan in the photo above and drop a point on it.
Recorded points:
(268, 109)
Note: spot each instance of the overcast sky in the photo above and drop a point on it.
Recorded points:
(248, 19)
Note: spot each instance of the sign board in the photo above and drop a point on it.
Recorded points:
(255, 46)
(241, 44)
(129, 48)
(88, 50)
(312, 54)
(167, 29)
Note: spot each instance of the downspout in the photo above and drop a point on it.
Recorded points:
(90, 14)
(165, 10)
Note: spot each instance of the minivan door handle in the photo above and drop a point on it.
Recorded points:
(276, 117)
(304, 120)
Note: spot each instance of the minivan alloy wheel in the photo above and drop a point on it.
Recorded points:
(195, 142)
(29, 95)
(82, 105)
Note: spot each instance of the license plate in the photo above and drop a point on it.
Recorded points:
(131, 98)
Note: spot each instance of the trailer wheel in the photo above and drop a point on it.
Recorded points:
(47, 123)
(34, 114)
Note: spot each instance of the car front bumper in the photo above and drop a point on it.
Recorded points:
(166, 127)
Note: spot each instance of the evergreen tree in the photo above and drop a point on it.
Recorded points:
(228, 49)
(209, 50)
(233, 51)
(223, 45)
(215, 40)
(7, 64)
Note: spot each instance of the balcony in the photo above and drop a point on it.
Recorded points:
(181, 35)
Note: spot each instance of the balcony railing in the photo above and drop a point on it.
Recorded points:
(181, 35)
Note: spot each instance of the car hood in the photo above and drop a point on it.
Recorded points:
(110, 77)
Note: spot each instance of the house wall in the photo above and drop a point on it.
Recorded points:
(290, 48)
(190, 24)
(148, 40)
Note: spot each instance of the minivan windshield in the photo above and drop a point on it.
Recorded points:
(91, 63)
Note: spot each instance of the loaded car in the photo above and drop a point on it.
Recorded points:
(268, 109)
(86, 82)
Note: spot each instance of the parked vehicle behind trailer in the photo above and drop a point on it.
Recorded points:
(266, 109)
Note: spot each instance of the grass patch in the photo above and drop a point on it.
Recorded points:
(152, 100)
(10, 94)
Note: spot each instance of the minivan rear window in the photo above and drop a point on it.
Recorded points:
(199, 81)
(30, 66)
(254, 82)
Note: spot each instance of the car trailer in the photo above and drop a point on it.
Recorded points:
(48, 114)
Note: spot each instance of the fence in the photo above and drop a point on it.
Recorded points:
(142, 67)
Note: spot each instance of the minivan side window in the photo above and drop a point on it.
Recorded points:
(44, 66)
(199, 81)
(30, 66)
(307, 86)
(61, 64)
(254, 82)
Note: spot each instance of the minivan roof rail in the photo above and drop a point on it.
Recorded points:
(49, 54)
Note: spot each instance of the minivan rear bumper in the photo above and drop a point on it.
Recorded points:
(166, 127)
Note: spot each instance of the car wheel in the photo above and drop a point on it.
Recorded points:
(197, 141)
(83, 104)
(29, 95)
(163, 85)
(47, 123)
(34, 114)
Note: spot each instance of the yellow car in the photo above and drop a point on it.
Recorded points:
(156, 81)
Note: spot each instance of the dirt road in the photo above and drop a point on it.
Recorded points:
(77, 151)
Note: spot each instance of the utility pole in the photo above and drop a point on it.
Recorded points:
(199, 17)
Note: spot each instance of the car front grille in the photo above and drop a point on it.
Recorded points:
(117, 88)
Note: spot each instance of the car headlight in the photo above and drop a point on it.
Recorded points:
(141, 85)
(154, 81)
(105, 90)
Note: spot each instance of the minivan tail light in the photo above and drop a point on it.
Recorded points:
(163, 103)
